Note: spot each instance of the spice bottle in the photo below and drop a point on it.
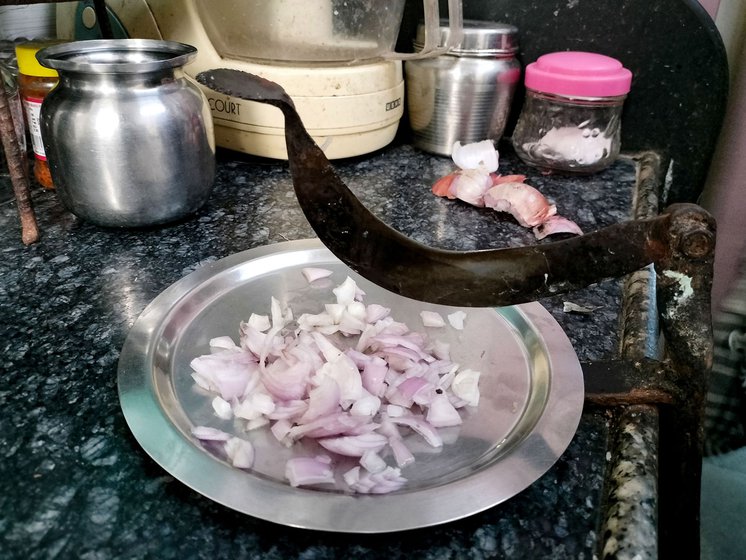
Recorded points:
(571, 117)
(35, 82)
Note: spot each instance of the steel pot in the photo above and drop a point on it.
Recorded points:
(128, 135)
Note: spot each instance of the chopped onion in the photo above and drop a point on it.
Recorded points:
(256, 423)
(441, 350)
(432, 319)
(240, 453)
(375, 312)
(344, 371)
(383, 482)
(286, 381)
(259, 322)
(348, 377)
(367, 405)
(471, 185)
(466, 386)
(287, 410)
(354, 446)
(223, 343)
(442, 413)
(222, 408)
(332, 425)
(476, 155)
(419, 425)
(226, 373)
(254, 406)
(205, 433)
(374, 376)
(345, 292)
(372, 462)
(280, 429)
(395, 410)
(302, 471)
(308, 322)
(412, 390)
(457, 320)
(322, 401)
(311, 274)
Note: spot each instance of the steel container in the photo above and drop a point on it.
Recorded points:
(128, 135)
(465, 94)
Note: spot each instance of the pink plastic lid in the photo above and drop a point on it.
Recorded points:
(578, 74)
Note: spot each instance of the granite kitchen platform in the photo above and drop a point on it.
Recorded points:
(75, 482)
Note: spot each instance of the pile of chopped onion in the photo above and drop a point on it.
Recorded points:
(351, 378)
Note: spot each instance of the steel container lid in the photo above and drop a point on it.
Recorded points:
(480, 38)
(118, 56)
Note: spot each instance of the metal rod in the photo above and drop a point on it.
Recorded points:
(102, 18)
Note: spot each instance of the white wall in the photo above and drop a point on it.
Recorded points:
(730, 18)
(711, 6)
(29, 21)
(725, 192)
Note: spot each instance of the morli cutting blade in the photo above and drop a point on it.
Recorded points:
(482, 278)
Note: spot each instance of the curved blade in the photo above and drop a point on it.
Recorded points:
(492, 277)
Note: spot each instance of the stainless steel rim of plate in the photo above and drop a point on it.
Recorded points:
(530, 409)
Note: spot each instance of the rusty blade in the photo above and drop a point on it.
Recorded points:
(470, 278)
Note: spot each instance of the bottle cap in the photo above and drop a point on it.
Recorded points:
(578, 74)
(480, 38)
(27, 63)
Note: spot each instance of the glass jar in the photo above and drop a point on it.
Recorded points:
(571, 117)
(35, 82)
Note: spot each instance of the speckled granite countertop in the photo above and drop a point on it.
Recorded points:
(75, 484)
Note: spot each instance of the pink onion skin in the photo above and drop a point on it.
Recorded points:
(442, 187)
(477, 183)
(556, 224)
(525, 203)
(498, 179)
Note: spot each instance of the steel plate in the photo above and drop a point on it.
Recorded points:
(531, 398)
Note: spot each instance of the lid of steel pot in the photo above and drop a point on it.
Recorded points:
(116, 56)
(480, 38)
